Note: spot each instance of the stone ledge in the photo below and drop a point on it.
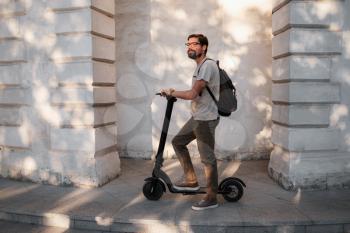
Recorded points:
(84, 20)
(67, 4)
(12, 136)
(12, 50)
(104, 6)
(307, 14)
(10, 116)
(83, 45)
(301, 68)
(12, 8)
(10, 27)
(301, 115)
(104, 73)
(84, 73)
(11, 74)
(15, 96)
(77, 20)
(306, 41)
(305, 93)
(83, 139)
(72, 45)
(89, 95)
(103, 25)
(278, 4)
(103, 49)
(85, 116)
(303, 139)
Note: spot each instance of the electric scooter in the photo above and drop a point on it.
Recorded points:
(231, 187)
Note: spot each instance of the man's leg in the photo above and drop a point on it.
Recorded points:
(211, 175)
(180, 142)
(205, 133)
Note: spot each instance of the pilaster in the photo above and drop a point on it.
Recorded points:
(15, 97)
(57, 80)
(306, 152)
(83, 92)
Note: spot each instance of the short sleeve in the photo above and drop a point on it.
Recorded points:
(206, 71)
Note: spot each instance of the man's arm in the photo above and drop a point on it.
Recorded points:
(197, 88)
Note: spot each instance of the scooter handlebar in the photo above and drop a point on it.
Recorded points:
(168, 97)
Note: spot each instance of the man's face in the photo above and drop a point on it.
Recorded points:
(194, 48)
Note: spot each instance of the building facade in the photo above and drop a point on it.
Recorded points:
(57, 96)
(310, 94)
(78, 82)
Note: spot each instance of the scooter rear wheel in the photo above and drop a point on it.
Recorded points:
(232, 190)
(153, 190)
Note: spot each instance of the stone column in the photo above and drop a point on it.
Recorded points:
(57, 99)
(307, 37)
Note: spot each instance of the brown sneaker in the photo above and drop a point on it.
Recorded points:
(184, 185)
(205, 204)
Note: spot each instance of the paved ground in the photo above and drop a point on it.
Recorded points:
(121, 207)
(16, 227)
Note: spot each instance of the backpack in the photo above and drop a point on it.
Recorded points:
(227, 98)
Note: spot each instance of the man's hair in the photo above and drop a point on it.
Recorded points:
(202, 39)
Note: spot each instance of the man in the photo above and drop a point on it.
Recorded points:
(202, 124)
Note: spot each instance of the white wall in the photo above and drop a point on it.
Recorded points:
(151, 55)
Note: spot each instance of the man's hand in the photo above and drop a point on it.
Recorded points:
(167, 92)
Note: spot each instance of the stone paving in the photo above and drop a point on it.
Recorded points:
(121, 207)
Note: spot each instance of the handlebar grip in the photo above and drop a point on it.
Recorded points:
(170, 98)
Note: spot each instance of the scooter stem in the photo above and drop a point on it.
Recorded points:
(166, 122)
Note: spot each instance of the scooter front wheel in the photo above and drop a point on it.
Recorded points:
(153, 190)
(232, 190)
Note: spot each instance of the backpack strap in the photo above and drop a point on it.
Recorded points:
(212, 95)
(208, 89)
(217, 62)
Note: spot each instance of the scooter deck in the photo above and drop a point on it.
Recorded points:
(202, 190)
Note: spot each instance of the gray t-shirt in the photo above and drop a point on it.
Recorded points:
(203, 107)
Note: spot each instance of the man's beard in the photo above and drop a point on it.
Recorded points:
(193, 55)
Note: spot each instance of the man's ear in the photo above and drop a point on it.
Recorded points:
(204, 48)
